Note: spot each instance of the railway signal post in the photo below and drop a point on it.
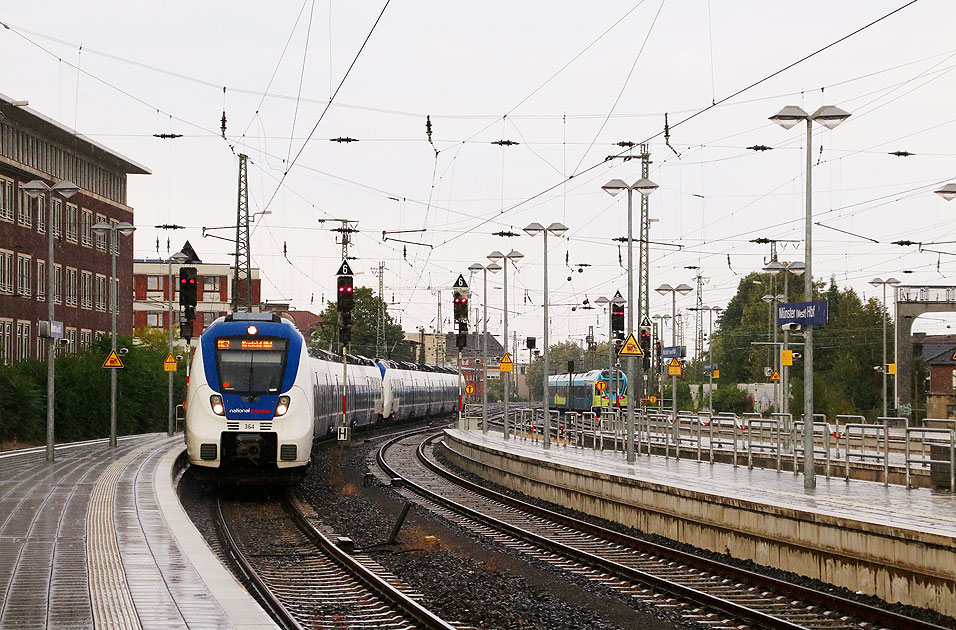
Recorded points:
(345, 302)
(460, 312)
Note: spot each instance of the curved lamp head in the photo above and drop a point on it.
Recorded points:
(797, 268)
(35, 188)
(493, 267)
(664, 289)
(65, 188)
(515, 255)
(101, 227)
(876, 282)
(614, 187)
(947, 192)
(534, 229)
(789, 116)
(767, 298)
(773, 267)
(830, 116)
(557, 228)
(644, 186)
(893, 282)
(683, 289)
(125, 228)
(179, 258)
(602, 301)
(495, 255)
(475, 268)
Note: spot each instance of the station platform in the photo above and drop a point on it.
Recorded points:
(889, 541)
(98, 539)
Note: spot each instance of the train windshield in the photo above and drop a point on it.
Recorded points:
(251, 365)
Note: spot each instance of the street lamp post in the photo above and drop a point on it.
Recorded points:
(876, 282)
(557, 229)
(178, 258)
(683, 289)
(495, 256)
(772, 301)
(710, 353)
(114, 231)
(493, 268)
(34, 189)
(613, 188)
(829, 116)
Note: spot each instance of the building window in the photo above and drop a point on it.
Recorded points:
(6, 199)
(154, 283)
(72, 286)
(155, 320)
(25, 210)
(100, 236)
(72, 221)
(41, 279)
(41, 215)
(208, 317)
(23, 341)
(100, 292)
(86, 338)
(6, 341)
(24, 277)
(57, 283)
(86, 289)
(41, 349)
(57, 218)
(71, 339)
(86, 228)
(6, 272)
(210, 283)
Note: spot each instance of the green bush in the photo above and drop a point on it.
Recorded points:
(82, 394)
(730, 398)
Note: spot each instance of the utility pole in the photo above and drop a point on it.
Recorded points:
(346, 230)
(242, 275)
(380, 318)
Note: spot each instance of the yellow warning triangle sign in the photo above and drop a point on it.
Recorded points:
(506, 364)
(169, 364)
(112, 361)
(630, 348)
(775, 376)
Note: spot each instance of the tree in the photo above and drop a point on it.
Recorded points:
(845, 349)
(364, 318)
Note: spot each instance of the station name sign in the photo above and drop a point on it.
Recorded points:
(804, 313)
(673, 352)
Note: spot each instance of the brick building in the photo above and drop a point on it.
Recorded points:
(33, 147)
(151, 286)
(307, 322)
(939, 357)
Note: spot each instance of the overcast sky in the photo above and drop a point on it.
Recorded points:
(564, 80)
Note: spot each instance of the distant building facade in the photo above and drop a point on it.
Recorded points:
(34, 147)
(939, 357)
(152, 285)
(306, 322)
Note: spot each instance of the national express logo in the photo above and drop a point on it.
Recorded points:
(247, 410)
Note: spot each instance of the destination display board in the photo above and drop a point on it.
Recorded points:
(240, 343)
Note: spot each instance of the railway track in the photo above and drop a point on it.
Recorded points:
(701, 590)
(304, 577)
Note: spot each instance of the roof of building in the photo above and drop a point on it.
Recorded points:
(61, 133)
(473, 347)
(939, 353)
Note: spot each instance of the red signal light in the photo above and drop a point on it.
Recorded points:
(349, 289)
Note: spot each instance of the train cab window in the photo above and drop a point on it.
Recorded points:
(251, 366)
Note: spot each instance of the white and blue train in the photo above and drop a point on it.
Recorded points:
(258, 397)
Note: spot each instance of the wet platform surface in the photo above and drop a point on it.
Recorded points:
(97, 538)
(917, 510)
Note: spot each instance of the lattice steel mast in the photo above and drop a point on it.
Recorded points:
(242, 278)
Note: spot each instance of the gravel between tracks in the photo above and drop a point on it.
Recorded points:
(465, 578)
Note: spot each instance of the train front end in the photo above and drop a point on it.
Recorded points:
(249, 408)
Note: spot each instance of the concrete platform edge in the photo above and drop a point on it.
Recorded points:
(243, 611)
(896, 564)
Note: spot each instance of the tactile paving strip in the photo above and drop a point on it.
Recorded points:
(109, 592)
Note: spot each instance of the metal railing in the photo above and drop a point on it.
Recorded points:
(925, 460)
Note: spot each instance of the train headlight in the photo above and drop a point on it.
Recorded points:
(215, 401)
(283, 406)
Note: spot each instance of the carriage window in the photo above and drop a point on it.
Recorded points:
(251, 365)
